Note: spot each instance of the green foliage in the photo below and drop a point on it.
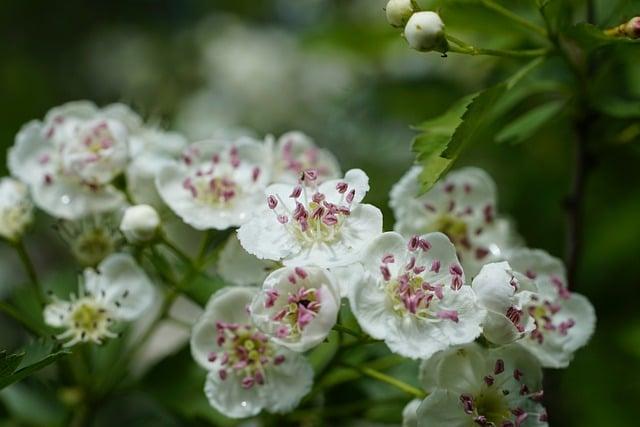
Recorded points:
(15, 367)
(526, 126)
(590, 37)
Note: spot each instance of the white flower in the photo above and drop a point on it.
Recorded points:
(412, 295)
(472, 386)
(16, 209)
(399, 11)
(140, 223)
(462, 206)
(150, 149)
(70, 159)
(505, 294)
(425, 32)
(410, 413)
(313, 224)
(295, 152)
(564, 320)
(92, 238)
(118, 291)
(247, 372)
(297, 307)
(218, 184)
(237, 266)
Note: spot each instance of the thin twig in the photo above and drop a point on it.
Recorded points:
(514, 17)
(400, 385)
(30, 269)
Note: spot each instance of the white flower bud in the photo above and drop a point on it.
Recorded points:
(425, 32)
(140, 223)
(399, 12)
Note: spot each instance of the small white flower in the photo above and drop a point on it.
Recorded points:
(564, 320)
(140, 223)
(399, 11)
(425, 32)
(247, 372)
(297, 307)
(412, 295)
(313, 224)
(16, 209)
(70, 159)
(237, 266)
(92, 238)
(410, 413)
(505, 294)
(150, 149)
(295, 152)
(118, 291)
(472, 386)
(218, 184)
(462, 206)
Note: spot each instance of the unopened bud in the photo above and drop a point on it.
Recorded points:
(425, 32)
(399, 12)
(632, 28)
(140, 223)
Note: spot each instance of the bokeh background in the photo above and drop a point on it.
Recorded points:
(335, 70)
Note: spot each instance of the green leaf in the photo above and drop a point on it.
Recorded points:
(590, 37)
(34, 357)
(619, 108)
(556, 13)
(526, 126)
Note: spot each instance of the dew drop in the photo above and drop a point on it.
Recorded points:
(65, 199)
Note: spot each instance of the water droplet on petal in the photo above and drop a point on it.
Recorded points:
(66, 199)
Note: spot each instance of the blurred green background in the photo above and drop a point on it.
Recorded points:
(337, 71)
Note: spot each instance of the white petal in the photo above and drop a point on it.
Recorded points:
(264, 237)
(443, 408)
(24, 157)
(239, 267)
(370, 306)
(287, 383)
(410, 414)
(535, 262)
(57, 313)
(458, 369)
(230, 398)
(389, 243)
(226, 305)
(122, 285)
(356, 179)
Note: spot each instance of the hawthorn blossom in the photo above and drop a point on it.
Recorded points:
(16, 209)
(297, 307)
(247, 371)
(237, 266)
(313, 224)
(411, 294)
(296, 152)
(564, 320)
(70, 159)
(473, 386)
(150, 149)
(92, 238)
(410, 413)
(217, 184)
(462, 206)
(505, 294)
(118, 291)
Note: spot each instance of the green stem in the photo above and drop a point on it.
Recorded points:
(177, 251)
(340, 328)
(30, 269)
(467, 49)
(400, 385)
(490, 4)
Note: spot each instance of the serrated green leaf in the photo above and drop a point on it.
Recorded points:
(9, 363)
(525, 126)
(33, 358)
(590, 37)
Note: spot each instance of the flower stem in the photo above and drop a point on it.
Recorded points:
(400, 385)
(30, 269)
(490, 4)
(340, 328)
(467, 49)
(177, 251)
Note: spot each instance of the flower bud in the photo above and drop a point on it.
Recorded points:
(425, 32)
(632, 28)
(140, 223)
(399, 12)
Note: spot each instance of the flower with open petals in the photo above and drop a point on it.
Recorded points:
(296, 152)
(462, 206)
(297, 307)
(247, 372)
(472, 386)
(412, 295)
(505, 294)
(313, 224)
(71, 158)
(118, 291)
(16, 209)
(564, 320)
(217, 184)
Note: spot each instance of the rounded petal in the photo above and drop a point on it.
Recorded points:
(534, 262)
(121, 284)
(230, 398)
(226, 305)
(25, 156)
(442, 408)
(264, 237)
(287, 383)
(356, 179)
(458, 369)
(57, 313)
(370, 306)
(239, 267)
(410, 414)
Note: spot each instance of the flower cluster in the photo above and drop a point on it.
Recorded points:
(452, 286)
